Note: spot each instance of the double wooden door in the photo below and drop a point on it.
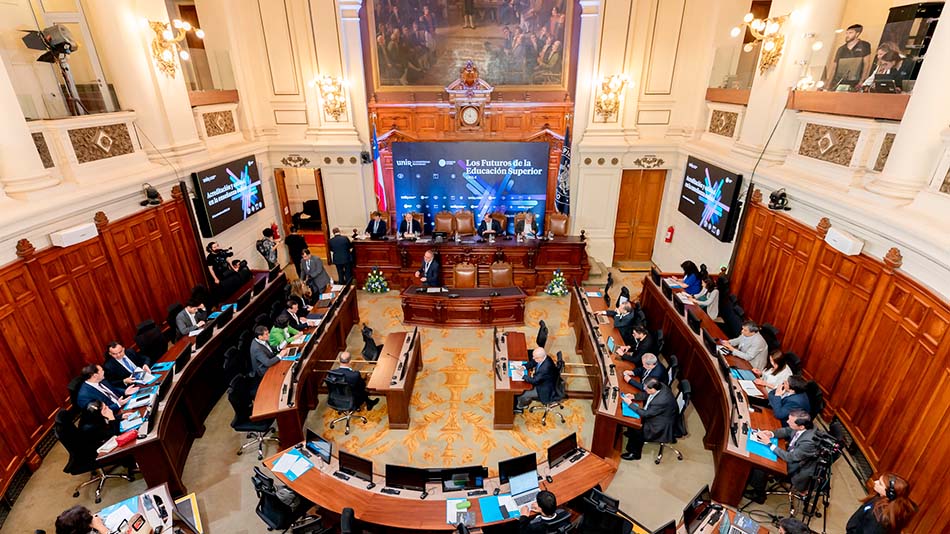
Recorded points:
(638, 210)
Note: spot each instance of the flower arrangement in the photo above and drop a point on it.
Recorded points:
(558, 285)
(376, 282)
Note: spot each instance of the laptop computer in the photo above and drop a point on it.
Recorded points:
(524, 487)
(603, 319)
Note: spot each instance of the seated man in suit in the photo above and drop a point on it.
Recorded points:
(376, 228)
(96, 388)
(544, 380)
(642, 344)
(191, 318)
(121, 363)
(262, 354)
(801, 455)
(281, 333)
(294, 320)
(356, 382)
(527, 226)
(651, 368)
(548, 517)
(788, 396)
(429, 274)
(313, 273)
(624, 320)
(750, 346)
(409, 227)
(488, 226)
(658, 417)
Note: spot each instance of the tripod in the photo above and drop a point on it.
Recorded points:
(819, 489)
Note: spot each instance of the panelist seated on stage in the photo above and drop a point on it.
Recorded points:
(624, 320)
(281, 333)
(750, 346)
(657, 417)
(121, 363)
(544, 380)
(356, 382)
(549, 517)
(789, 396)
(527, 226)
(409, 227)
(651, 368)
(488, 226)
(429, 274)
(263, 356)
(642, 343)
(96, 388)
(191, 318)
(801, 454)
(376, 228)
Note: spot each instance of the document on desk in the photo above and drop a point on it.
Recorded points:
(337, 288)
(750, 388)
(292, 464)
(671, 282)
(162, 367)
(436, 290)
(594, 294)
(130, 424)
(138, 402)
(146, 379)
(114, 515)
(195, 332)
(684, 298)
(453, 514)
(516, 371)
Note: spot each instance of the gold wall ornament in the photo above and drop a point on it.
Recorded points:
(607, 103)
(167, 43)
(768, 32)
(770, 56)
(331, 91)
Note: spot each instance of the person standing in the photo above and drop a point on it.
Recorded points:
(295, 245)
(429, 273)
(468, 12)
(851, 60)
(341, 253)
(313, 273)
(267, 247)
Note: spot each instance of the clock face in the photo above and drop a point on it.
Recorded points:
(469, 115)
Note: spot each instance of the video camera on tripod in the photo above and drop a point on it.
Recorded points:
(829, 449)
(58, 43)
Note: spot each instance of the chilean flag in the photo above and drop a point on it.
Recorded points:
(378, 176)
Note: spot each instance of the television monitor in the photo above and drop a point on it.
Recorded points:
(225, 317)
(243, 301)
(516, 466)
(273, 274)
(355, 466)
(204, 336)
(182, 360)
(259, 285)
(164, 386)
(668, 528)
(656, 276)
(679, 306)
(693, 512)
(226, 195)
(602, 501)
(667, 291)
(710, 198)
(562, 450)
(694, 322)
(711, 345)
(463, 478)
(321, 447)
(404, 477)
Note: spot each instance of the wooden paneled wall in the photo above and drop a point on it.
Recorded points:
(59, 307)
(876, 341)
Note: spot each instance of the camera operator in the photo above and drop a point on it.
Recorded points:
(886, 509)
(217, 260)
(801, 455)
(230, 281)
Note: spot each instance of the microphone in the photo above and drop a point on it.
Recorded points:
(612, 369)
(614, 395)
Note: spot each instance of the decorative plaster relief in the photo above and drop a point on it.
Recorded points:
(218, 123)
(295, 160)
(884, 152)
(723, 122)
(829, 143)
(43, 150)
(649, 162)
(101, 142)
(945, 187)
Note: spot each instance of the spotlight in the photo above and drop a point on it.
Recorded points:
(778, 200)
(152, 198)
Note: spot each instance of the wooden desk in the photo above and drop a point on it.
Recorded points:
(473, 307)
(406, 512)
(291, 408)
(506, 348)
(533, 261)
(385, 379)
(710, 397)
(162, 452)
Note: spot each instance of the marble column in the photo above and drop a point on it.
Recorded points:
(160, 102)
(918, 145)
(21, 170)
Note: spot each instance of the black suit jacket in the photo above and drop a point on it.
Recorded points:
(544, 379)
(295, 245)
(297, 323)
(624, 325)
(432, 274)
(531, 228)
(379, 232)
(356, 382)
(403, 227)
(638, 349)
(340, 249)
(482, 227)
(658, 372)
(660, 417)
(802, 459)
(116, 372)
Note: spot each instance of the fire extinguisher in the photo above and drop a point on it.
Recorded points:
(273, 227)
(669, 234)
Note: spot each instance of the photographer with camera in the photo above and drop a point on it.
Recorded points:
(801, 455)
(217, 260)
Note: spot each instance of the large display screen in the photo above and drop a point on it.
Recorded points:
(227, 194)
(709, 198)
(483, 177)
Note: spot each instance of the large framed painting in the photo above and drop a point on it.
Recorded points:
(423, 44)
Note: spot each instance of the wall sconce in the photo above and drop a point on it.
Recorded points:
(769, 33)
(167, 43)
(331, 90)
(611, 91)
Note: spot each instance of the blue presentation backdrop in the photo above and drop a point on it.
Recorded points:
(483, 177)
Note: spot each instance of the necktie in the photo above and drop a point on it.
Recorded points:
(108, 393)
(649, 400)
(426, 268)
(375, 226)
(791, 444)
(128, 365)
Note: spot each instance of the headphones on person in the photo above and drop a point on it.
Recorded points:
(890, 492)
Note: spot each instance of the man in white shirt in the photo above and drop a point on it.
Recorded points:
(191, 318)
(750, 346)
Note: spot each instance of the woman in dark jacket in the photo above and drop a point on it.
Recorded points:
(887, 509)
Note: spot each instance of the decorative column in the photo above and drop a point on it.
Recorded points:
(770, 89)
(163, 110)
(587, 80)
(21, 170)
(919, 146)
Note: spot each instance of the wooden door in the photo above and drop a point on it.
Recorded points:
(280, 183)
(641, 193)
(318, 179)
